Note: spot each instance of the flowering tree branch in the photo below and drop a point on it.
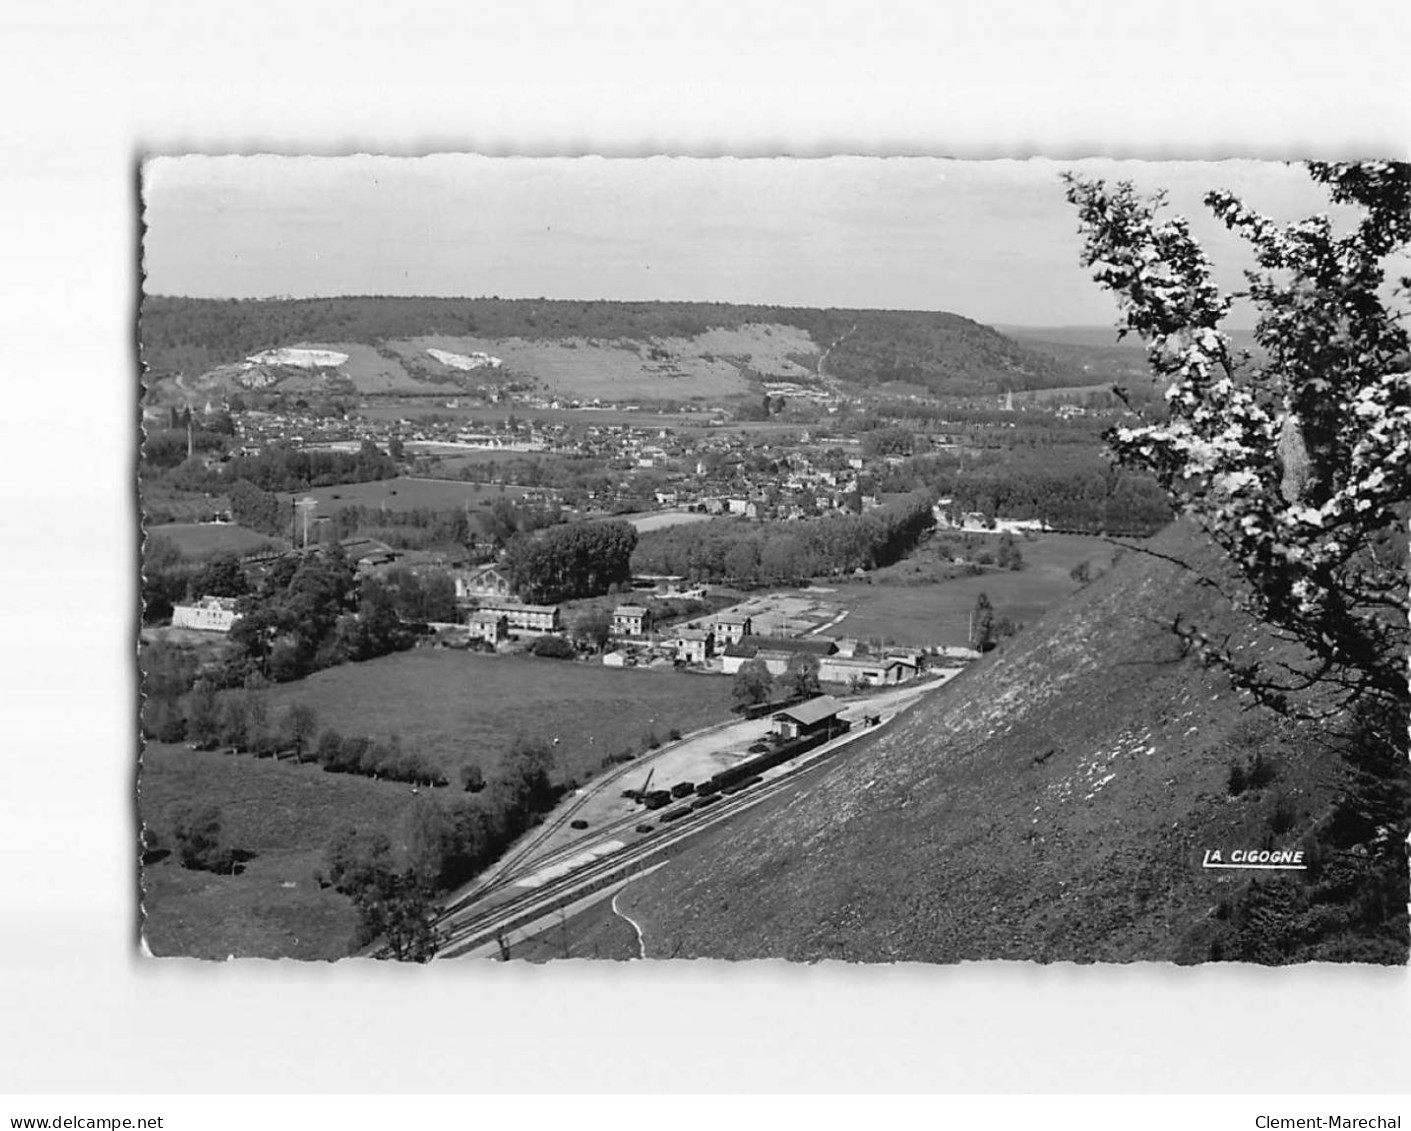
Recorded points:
(1298, 464)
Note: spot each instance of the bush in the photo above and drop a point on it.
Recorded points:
(1283, 817)
(1238, 781)
(196, 833)
(1261, 773)
(673, 735)
(553, 648)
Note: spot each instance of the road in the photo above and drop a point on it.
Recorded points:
(536, 886)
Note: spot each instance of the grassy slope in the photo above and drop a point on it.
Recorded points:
(201, 539)
(706, 342)
(403, 494)
(905, 606)
(951, 836)
(283, 813)
(454, 706)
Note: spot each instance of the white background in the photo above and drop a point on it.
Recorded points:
(89, 87)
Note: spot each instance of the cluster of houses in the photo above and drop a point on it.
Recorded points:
(727, 641)
(724, 642)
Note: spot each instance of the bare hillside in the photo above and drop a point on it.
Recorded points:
(1055, 802)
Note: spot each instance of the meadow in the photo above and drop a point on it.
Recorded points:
(283, 813)
(197, 540)
(906, 605)
(458, 707)
(404, 494)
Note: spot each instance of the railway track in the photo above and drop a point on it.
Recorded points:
(470, 920)
(492, 923)
(494, 879)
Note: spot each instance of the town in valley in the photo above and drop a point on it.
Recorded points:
(538, 628)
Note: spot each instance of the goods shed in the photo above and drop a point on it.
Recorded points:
(815, 717)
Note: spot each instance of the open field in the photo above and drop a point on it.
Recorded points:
(166, 504)
(1071, 395)
(657, 520)
(196, 540)
(707, 364)
(404, 494)
(282, 812)
(589, 368)
(939, 612)
(459, 707)
(403, 409)
(454, 707)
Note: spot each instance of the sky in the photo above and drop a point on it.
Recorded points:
(991, 240)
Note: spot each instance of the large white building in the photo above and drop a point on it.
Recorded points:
(208, 614)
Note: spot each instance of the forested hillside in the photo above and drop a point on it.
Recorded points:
(938, 351)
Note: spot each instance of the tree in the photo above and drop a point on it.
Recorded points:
(203, 714)
(427, 836)
(196, 833)
(501, 522)
(982, 625)
(1009, 556)
(753, 684)
(1297, 464)
(354, 857)
(234, 722)
(329, 749)
(300, 721)
(524, 776)
(257, 730)
(800, 678)
(438, 597)
(221, 576)
(593, 628)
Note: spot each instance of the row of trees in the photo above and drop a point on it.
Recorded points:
(448, 841)
(753, 553)
(581, 559)
(296, 469)
(1071, 487)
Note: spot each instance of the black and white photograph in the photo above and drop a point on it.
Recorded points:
(857, 559)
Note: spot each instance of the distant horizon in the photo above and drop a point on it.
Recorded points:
(994, 239)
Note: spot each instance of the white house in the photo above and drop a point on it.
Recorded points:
(731, 628)
(209, 614)
(694, 645)
(631, 620)
(487, 626)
